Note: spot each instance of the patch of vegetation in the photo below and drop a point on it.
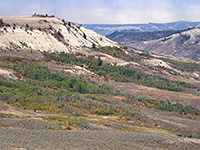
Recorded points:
(59, 34)
(27, 26)
(190, 136)
(183, 66)
(7, 116)
(54, 92)
(100, 106)
(146, 55)
(1, 23)
(116, 52)
(113, 51)
(124, 74)
(84, 36)
(76, 59)
(40, 96)
(93, 46)
(58, 80)
(62, 120)
(41, 15)
(14, 26)
(172, 107)
(138, 36)
(121, 73)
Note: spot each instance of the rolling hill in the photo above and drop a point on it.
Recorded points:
(57, 76)
(47, 34)
(178, 43)
(106, 29)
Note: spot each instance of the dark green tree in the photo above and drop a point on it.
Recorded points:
(84, 35)
(93, 46)
(1, 22)
(100, 62)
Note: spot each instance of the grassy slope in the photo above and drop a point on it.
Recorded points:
(82, 99)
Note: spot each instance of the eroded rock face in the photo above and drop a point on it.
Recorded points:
(48, 34)
(7, 74)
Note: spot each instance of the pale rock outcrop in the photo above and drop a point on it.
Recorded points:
(7, 74)
(48, 34)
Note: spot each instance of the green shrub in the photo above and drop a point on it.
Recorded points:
(59, 34)
(121, 73)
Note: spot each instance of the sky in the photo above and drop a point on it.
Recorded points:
(107, 11)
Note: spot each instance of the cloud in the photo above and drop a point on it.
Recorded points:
(128, 16)
(36, 7)
(192, 13)
(107, 11)
(122, 11)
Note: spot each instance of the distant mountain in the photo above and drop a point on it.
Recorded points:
(106, 29)
(179, 43)
(125, 37)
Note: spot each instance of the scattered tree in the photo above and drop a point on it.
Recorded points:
(1, 22)
(84, 35)
(14, 26)
(100, 62)
(93, 46)
(60, 34)
(27, 26)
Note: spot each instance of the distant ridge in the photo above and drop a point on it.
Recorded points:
(179, 43)
(106, 29)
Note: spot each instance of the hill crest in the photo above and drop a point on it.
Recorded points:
(47, 34)
(179, 43)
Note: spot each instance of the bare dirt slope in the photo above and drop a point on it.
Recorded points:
(158, 94)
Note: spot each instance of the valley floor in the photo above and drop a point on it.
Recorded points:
(39, 139)
(27, 130)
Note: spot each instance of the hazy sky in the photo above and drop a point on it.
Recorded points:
(107, 11)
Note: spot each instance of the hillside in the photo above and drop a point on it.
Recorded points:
(178, 43)
(107, 29)
(47, 34)
(52, 82)
(139, 36)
